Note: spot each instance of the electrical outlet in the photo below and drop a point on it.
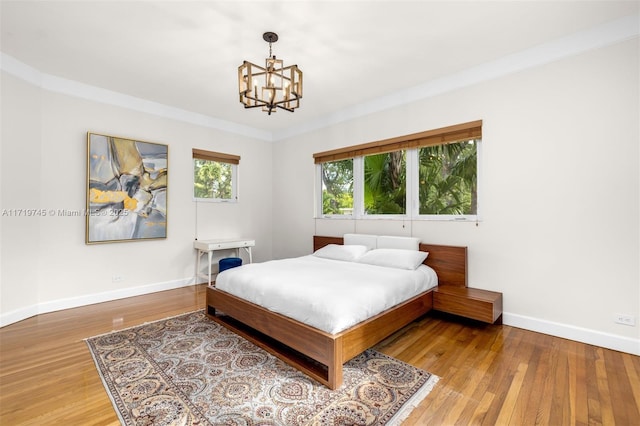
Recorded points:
(117, 278)
(624, 319)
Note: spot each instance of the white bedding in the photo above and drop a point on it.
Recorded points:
(330, 295)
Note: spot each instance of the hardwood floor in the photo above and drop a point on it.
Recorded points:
(489, 374)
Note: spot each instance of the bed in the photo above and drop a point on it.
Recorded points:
(320, 350)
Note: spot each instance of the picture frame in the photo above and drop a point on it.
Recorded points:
(126, 191)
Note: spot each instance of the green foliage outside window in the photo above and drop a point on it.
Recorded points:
(212, 179)
(385, 183)
(337, 187)
(448, 179)
(446, 182)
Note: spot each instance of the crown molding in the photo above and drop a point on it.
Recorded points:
(96, 94)
(594, 38)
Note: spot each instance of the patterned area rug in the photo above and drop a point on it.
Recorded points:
(189, 370)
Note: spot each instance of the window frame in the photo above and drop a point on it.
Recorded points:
(219, 157)
(411, 144)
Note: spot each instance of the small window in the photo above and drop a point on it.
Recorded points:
(215, 176)
(337, 187)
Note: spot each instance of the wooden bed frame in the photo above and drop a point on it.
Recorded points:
(315, 352)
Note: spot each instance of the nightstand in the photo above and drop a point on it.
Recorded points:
(474, 303)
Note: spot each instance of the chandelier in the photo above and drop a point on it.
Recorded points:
(271, 87)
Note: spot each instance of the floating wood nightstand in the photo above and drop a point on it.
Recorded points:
(474, 303)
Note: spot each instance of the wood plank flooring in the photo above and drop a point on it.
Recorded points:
(490, 374)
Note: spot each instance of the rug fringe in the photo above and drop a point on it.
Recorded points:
(413, 402)
(144, 323)
(103, 379)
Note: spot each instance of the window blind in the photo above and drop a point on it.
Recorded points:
(220, 157)
(441, 136)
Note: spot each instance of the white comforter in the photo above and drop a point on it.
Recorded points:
(330, 295)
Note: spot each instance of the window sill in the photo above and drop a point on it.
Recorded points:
(214, 200)
(469, 219)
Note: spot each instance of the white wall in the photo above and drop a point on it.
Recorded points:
(46, 264)
(560, 197)
(21, 106)
(559, 234)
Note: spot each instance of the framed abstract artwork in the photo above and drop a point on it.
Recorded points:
(126, 189)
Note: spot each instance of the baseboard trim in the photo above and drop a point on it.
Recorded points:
(584, 335)
(579, 334)
(90, 299)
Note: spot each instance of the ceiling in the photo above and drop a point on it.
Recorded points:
(185, 54)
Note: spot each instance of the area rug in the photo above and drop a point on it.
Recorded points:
(190, 370)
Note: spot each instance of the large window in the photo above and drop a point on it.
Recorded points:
(215, 176)
(432, 174)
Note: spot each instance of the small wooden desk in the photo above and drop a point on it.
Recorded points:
(209, 246)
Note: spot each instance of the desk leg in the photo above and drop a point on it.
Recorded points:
(209, 256)
(248, 250)
(198, 254)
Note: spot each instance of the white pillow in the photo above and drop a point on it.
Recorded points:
(348, 253)
(407, 243)
(394, 258)
(361, 239)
